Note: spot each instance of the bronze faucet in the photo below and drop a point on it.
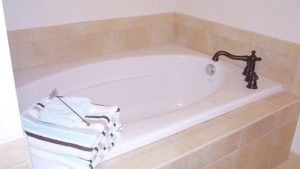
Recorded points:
(249, 71)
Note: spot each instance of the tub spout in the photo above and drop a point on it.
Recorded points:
(249, 70)
(229, 55)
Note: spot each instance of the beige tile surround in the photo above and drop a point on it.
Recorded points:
(293, 162)
(245, 131)
(43, 46)
(256, 136)
(281, 59)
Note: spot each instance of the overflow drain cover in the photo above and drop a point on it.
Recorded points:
(210, 69)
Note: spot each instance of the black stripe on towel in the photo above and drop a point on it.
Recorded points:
(40, 104)
(99, 117)
(59, 142)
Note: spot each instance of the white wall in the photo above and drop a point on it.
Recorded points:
(36, 13)
(10, 124)
(277, 18)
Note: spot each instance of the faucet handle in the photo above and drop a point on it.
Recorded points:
(253, 55)
(252, 83)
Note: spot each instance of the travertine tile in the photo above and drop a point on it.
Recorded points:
(162, 34)
(180, 163)
(228, 162)
(206, 133)
(251, 113)
(163, 154)
(31, 35)
(255, 39)
(236, 34)
(296, 80)
(13, 153)
(100, 43)
(55, 51)
(222, 142)
(256, 155)
(135, 38)
(152, 158)
(279, 57)
(88, 27)
(23, 56)
(42, 46)
(69, 47)
(195, 38)
(234, 46)
(212, 152)
(282, 143)
(293, 162)
(277, 67)
(287, 114)
(136, 154)
(84, 28)
(282, 99)
(257, 130)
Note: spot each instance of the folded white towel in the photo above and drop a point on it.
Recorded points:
(56, 112)
(78, 141)
(72, 162)
(99, 110)
(55, 146)
(61, 148)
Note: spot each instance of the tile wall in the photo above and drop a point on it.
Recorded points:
(281, 59)
(36, 47)
(256, 136)
(43, 46)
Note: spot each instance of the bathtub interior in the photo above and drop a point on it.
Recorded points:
(142, 88)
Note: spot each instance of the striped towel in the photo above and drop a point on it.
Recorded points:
(80, 142)
(103, 147)
(70, 161)
(83, 142)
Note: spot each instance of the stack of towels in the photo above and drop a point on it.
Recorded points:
(57, 134)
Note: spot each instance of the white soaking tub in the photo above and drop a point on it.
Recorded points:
(158, 94)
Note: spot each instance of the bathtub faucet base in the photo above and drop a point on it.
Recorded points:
(249, 70)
